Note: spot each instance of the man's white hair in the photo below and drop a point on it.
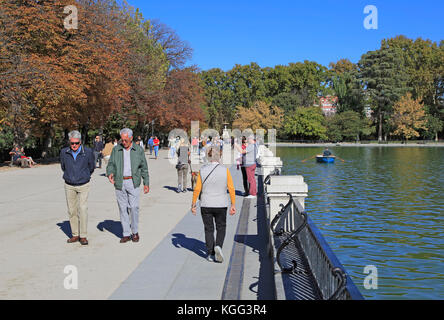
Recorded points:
(127, 131)
(74, 135)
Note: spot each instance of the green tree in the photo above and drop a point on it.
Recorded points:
(308, 79)
(306, 123)
(347, 126)
(385, 79)
(346, 86)
(247, 83)
(220, 107)
(433, 126)
(424, 60)
(287, 101)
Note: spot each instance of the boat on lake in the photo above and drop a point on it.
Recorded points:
(325, 159)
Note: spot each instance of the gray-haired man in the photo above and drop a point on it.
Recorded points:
(77, 164)
(126, 168)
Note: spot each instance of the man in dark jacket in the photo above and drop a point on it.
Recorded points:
(77, 164)
(98, 148)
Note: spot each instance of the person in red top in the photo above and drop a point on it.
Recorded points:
(195, 144)
(156, 144)
(241, 150)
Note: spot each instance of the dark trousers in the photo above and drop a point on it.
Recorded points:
(210, 216)
(245, 179)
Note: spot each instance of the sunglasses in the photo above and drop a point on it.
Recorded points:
(74, 143)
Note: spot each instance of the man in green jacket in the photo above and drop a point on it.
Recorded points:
(126, 168)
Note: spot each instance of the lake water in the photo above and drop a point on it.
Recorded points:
(383, 206)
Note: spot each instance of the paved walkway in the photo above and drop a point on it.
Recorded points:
(168, 263)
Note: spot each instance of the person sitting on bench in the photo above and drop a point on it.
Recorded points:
(18, 157)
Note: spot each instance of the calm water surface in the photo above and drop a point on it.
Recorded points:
(383, 206)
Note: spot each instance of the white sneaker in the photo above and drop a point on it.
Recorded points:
(210, 258)
(219, 254)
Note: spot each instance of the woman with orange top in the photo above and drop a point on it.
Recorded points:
(212, 183)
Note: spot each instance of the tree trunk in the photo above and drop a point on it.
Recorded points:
(436, 136)
(84, 132)
(47, 141)
(66, 139)
(380, 127)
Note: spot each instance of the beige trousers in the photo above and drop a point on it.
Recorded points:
(76, 199)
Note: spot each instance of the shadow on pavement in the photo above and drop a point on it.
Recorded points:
(194, 245)
(66, 228)
(115, 227)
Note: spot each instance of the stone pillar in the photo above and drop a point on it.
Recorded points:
(268, 161)
(277, 193)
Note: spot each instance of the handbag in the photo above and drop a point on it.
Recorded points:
(180, 166)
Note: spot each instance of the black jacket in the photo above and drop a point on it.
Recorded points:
(98, 146)
(77, 172)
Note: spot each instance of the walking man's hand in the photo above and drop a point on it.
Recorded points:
(193, 209)
(146, 189)
(111, 178)
(232, 210)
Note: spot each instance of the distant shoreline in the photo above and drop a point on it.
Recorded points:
(352, 144)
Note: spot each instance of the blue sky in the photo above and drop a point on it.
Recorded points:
(225, 33)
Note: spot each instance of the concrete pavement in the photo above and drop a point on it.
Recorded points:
(34, 228)
(168, 262)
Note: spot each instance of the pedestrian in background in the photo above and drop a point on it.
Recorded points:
(183, 160)
(156, 144)
(151, 145)
(126, 168)
(249, 163)
(98, 148)
(195, 145)
(241, 162)
(77, 164)
(212, 183)
(141, 143)
(106, 153)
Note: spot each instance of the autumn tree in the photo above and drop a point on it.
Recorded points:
(180, 102)
(408, 117)
(260, 115)
(68, 78)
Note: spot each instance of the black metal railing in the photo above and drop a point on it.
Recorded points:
(329, 274)
(275, 172)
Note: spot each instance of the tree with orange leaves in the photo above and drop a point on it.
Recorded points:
(408, 117)
(181, 100)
